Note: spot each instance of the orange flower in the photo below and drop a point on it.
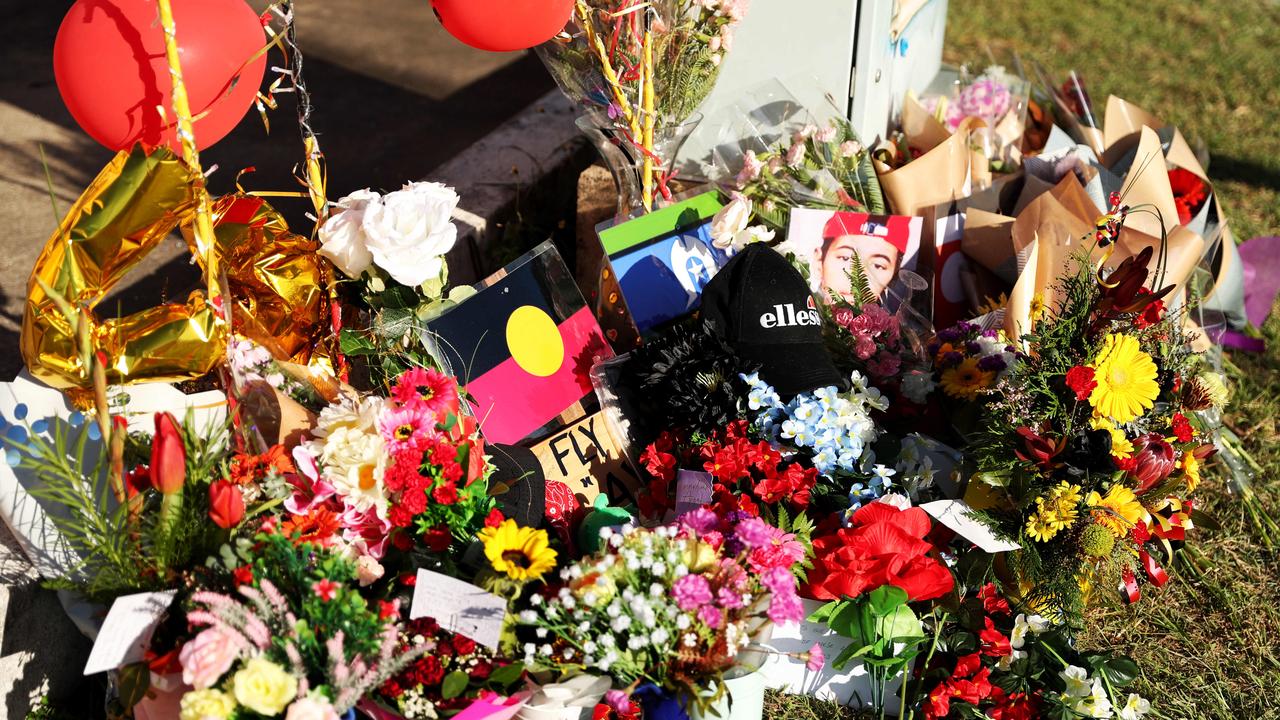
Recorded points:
(318, 526)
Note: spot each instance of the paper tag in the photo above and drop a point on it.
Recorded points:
(693, 490)
(127, 630)
(955, 515)
(459, 607)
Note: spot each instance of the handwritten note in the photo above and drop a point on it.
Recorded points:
(955, 515)
(459, 607)
(127, 630)
(693, 490)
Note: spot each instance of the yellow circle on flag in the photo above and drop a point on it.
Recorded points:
(534, 341)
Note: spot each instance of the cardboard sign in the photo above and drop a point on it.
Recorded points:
(459, 607)
(851, 686)
(586, 457)
(127, 630)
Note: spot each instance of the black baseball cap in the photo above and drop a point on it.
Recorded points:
(763, 309)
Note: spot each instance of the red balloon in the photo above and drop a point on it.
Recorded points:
(109, 62)
(503, 25)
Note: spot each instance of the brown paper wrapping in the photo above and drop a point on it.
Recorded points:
(941, 175)
(1053, 232)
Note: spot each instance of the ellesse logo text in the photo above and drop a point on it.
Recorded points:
(788, 316)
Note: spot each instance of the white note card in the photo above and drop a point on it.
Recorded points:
(955, 515)
(127, 630)
(459, 607)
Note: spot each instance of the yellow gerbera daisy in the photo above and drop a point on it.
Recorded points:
(1191, 468)
(520, 552)
(966, 380)
(1126, 378)
(1120, 445)
(1118, 511)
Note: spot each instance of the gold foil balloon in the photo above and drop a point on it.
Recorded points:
(126, 211)
(276, 279)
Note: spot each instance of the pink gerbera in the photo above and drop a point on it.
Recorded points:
(432, 390)
(411, 427)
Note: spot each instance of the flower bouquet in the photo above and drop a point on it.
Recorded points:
(1090, 445)
(405, 472)
(820, 167)
(998, 99)
(870, 573)
(665, 612)
(640, 70)
(393, 245)
(1009, 666)
(295, 638)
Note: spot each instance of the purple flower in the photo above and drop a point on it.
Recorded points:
(691, 592)
(786, 608)
(951, 334)
(993, 363)
(754, 533)
(952, 358)
(778, 581)
(620, 701)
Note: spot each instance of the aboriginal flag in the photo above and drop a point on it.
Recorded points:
(523, 347)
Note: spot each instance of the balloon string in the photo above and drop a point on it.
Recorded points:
(203, 226)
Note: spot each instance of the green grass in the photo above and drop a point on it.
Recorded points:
(1209, 642)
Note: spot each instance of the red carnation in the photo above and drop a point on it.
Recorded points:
(1182, 428)
(1081, 380)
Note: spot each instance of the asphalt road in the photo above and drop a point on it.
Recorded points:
(394, 97)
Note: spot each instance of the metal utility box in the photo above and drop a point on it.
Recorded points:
(853, 57)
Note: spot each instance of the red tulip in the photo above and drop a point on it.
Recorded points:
(168, 456)
(226, 504)
(1154, 460)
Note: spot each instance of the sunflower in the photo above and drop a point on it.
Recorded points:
(1126, 378)
(1118, 511)
(966, 380)
(1120, 446)
(520, 552)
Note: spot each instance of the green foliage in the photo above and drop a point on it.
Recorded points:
(828, 177)
(119, 554)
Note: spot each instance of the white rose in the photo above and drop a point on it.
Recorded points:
(731, 220)
(409, 232)
(342, 237)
